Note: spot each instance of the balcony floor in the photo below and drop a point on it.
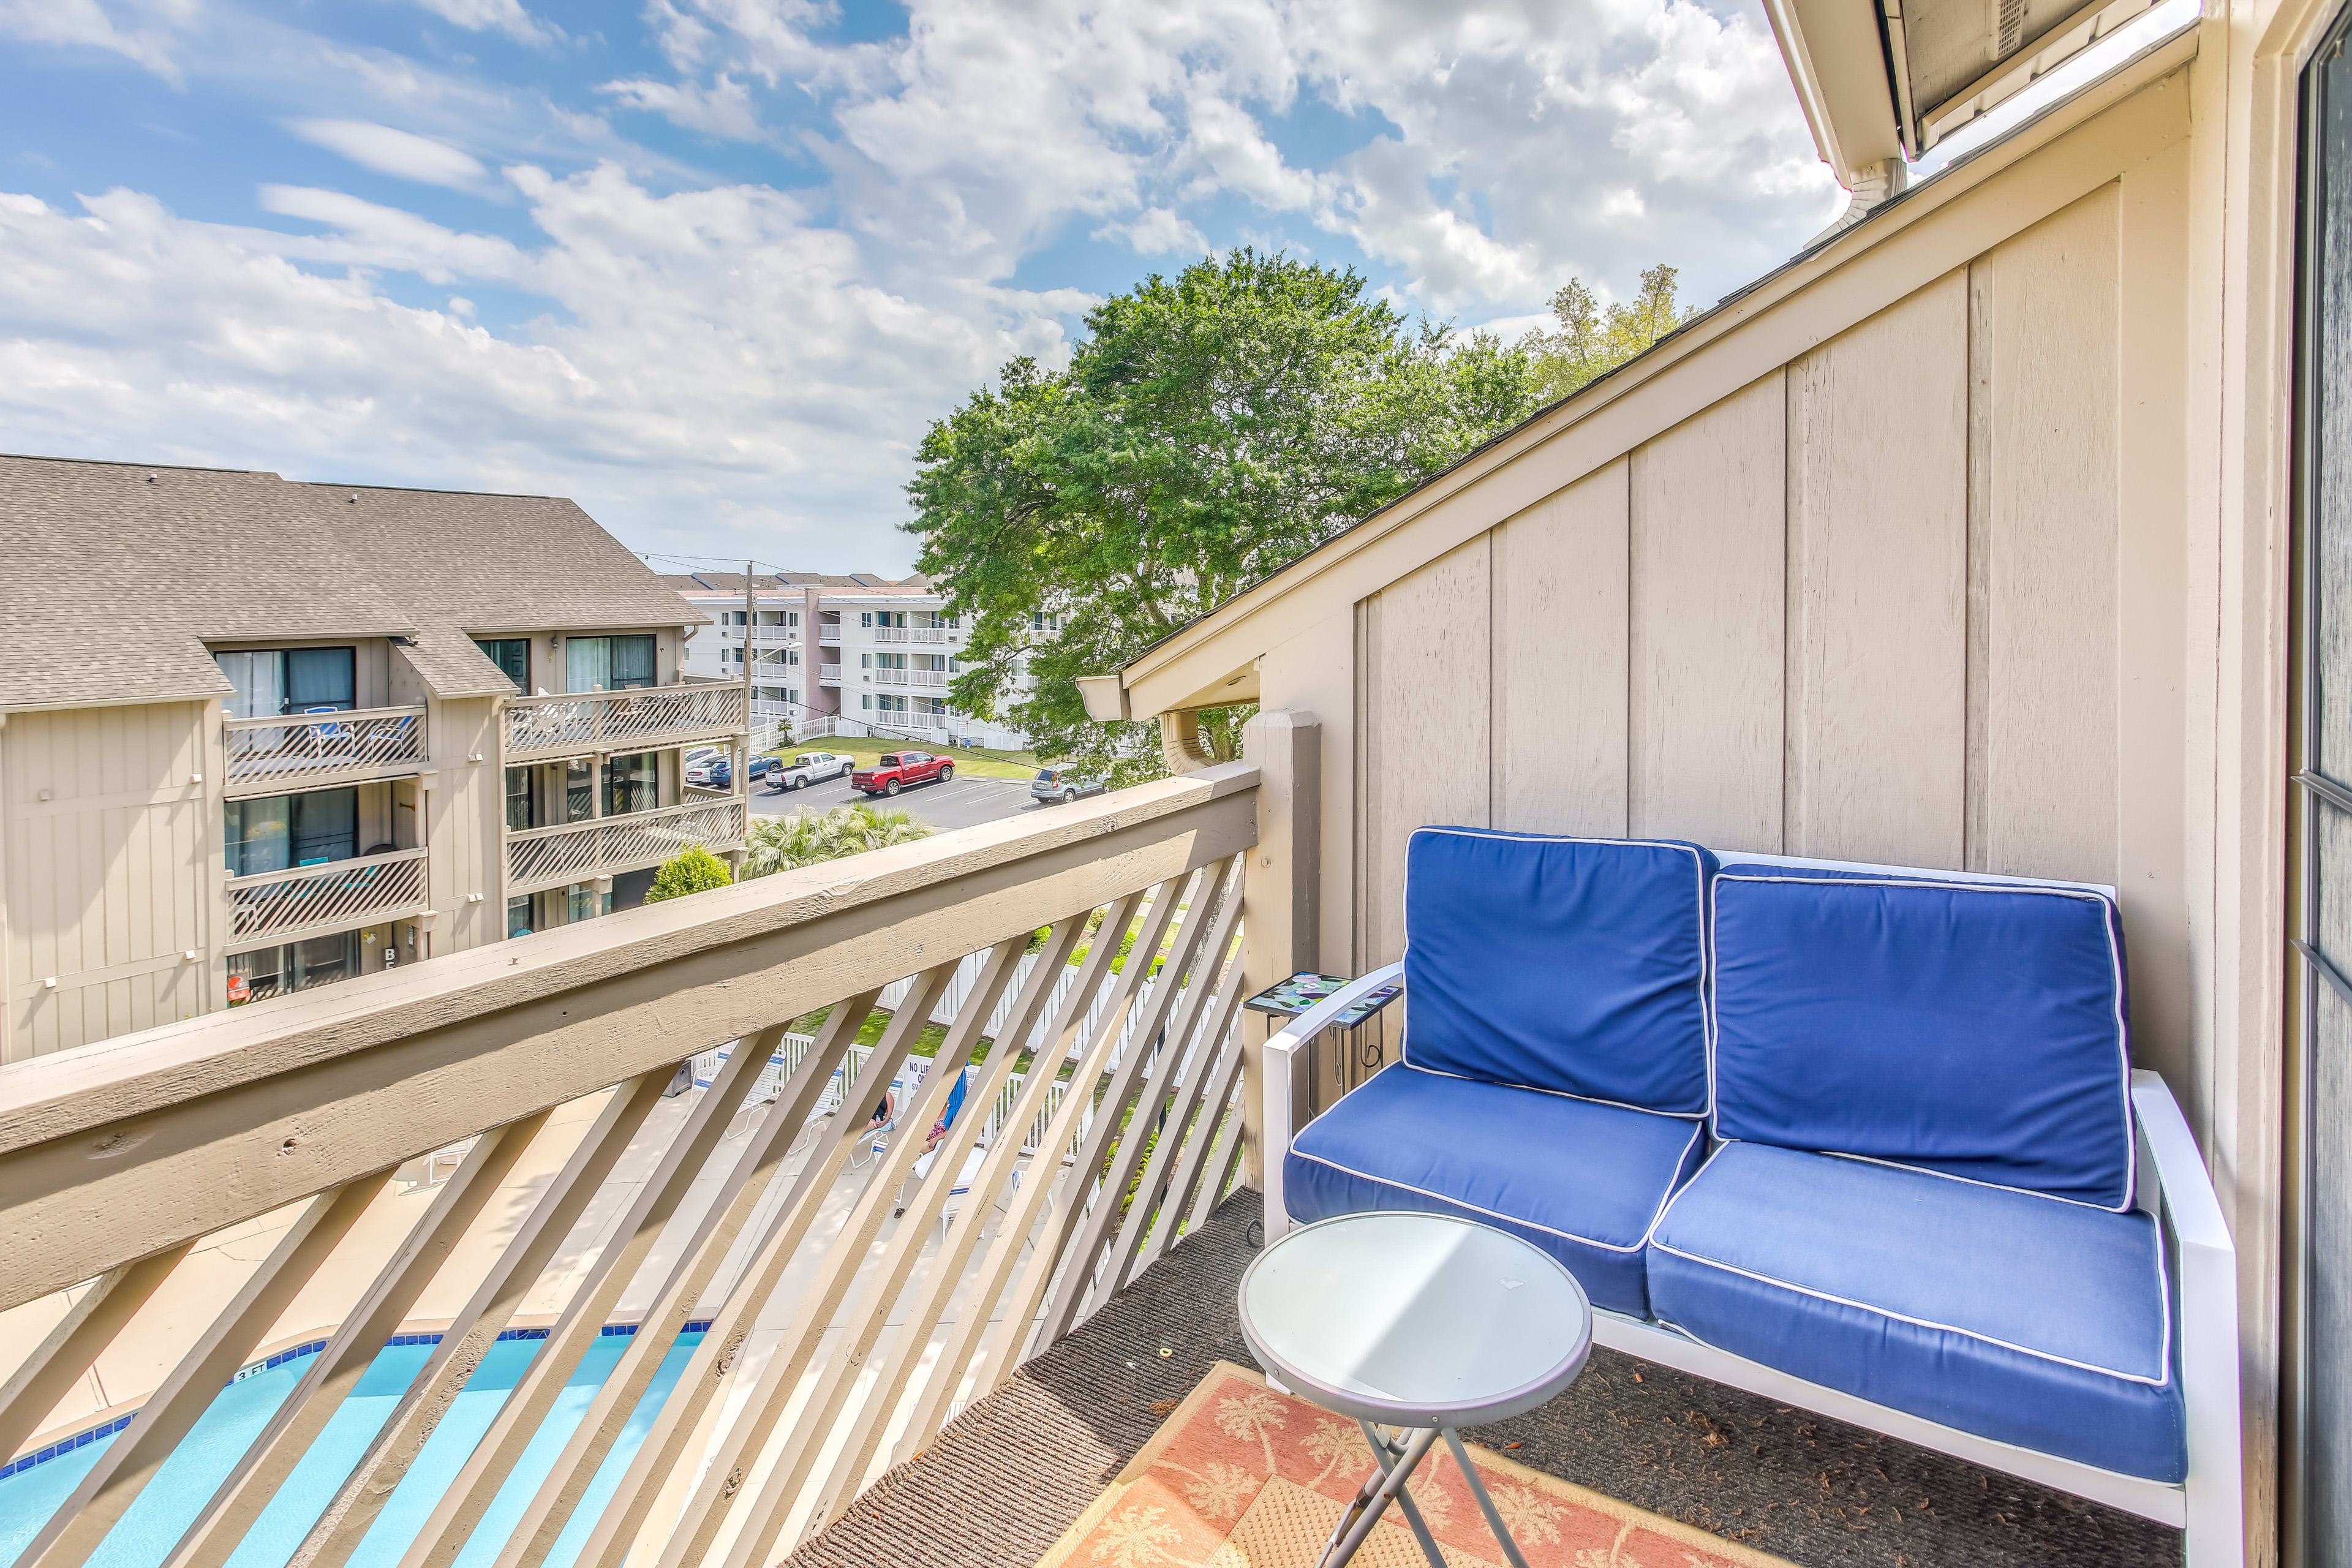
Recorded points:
(1003, 1481)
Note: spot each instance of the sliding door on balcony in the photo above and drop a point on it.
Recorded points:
(270, 681)
(2319, 1438)
(279, 831)
(607, 664)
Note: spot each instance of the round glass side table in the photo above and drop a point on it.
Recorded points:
(1421, 1322)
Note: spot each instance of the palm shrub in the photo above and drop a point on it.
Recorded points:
(692, 870)
(788, 843)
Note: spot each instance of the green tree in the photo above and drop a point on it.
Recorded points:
(1591, 340)
(787, 843)
(1210, 428)
(691, 870)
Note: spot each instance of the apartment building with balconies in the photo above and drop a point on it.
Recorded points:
(257, 736)
(839, 655)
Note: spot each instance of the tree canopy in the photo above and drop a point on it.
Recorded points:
(693, 869)
(1210, 428)
(787, 843)
(1592, 340)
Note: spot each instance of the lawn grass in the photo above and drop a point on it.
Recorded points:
(864, 749)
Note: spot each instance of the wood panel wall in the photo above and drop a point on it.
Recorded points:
(1864, 608)
(104, 880)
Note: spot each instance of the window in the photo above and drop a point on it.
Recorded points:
(865, 617)
(519, 916)
(522, 810)
(297, 966)
(1041, 622)
(890, 704)
(890, 660)
(607, 664)
(582, 902)
(776, 617)
(631, 783)
(935, 661)
(270, 681)
(792, 617)
(931, 705)
(279, 831)
(731, 618)
(579, 789)
(512, 656)
(864, 661)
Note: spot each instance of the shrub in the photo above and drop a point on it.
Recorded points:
(692, 870)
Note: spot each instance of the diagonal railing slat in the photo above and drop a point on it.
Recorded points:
(572, 724)
(306, 751)
(358, 1502)
(66, 1355)
(1207, 1140)
(81, 1522)
(344, 893)
(239, 1501)
(549, 856)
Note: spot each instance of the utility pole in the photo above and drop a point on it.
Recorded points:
(751, 618)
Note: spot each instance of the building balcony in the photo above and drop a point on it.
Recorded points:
(313, 901)
(310, 750)
(652, 718)
(920, 680)
(614, 1175)
(932, 635)
(541, 857)
(828, 634)
(828, 674)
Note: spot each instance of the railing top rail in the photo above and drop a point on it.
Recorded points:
(340, 716)
(618, 819)
(326, 867)
(624, 693)
(169, 1133)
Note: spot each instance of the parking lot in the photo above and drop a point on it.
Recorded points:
(962, 802)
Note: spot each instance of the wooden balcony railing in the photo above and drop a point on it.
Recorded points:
(117, 1161)
(309, 900)
(571, 852)
(298, 751)
(650, 718)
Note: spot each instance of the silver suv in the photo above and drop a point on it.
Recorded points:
(1063, 786)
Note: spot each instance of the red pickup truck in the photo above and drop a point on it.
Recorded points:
(893, 771)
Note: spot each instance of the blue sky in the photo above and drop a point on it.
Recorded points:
(710, 266)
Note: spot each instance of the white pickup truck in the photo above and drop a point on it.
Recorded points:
(808, 768)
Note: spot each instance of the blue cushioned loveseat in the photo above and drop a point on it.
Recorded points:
(1864, 1139)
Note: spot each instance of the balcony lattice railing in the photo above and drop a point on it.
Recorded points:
(305, 751)
(646, 719)
(886, 1290)
(334, 896)
(551, 857)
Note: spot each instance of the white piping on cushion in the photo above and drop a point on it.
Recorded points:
(2163, 1289)
(1663, 1203)
(1698, 855)
(2111, 918)
(1539, 1089)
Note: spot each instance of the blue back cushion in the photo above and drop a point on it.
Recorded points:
(1974, 1028)
(1571, 965)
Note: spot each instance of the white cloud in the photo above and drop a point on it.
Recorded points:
(87, 23)
(721, 109)
(506, 17)
(401, 154)
(716, 367)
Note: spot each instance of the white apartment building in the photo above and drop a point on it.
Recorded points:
(835, 655)
(257, 736)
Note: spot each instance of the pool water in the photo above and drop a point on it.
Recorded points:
(170, 1503)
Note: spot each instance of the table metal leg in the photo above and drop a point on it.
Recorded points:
(1486, 1504)
(1372, 1498)
(1387, 1451)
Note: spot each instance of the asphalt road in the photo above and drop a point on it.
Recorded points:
(962, 802)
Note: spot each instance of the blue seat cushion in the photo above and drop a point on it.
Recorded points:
(1573, 965)
(2026, 1318)
(1579, 1180)
(1976, 1028)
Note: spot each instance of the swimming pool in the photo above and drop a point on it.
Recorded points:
(170, 1503)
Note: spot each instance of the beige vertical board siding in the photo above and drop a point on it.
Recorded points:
(1707, 582)
(1424, 725)
(1558, 743)
(2043, 367)
(2152, 619)
(105, 878)
(1877, 573)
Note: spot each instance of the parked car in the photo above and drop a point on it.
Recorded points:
(808, 768)
(1063, 784)
(717, 771)
(894, 770)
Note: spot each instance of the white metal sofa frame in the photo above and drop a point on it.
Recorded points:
(2173, 1185)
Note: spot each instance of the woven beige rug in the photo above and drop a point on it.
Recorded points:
(1241, 1477)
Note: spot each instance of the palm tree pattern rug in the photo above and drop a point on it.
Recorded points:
(1240, 1476)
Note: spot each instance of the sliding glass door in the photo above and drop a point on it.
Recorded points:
(2319, 1433)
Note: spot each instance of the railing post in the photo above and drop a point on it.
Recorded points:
(1281, 910)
